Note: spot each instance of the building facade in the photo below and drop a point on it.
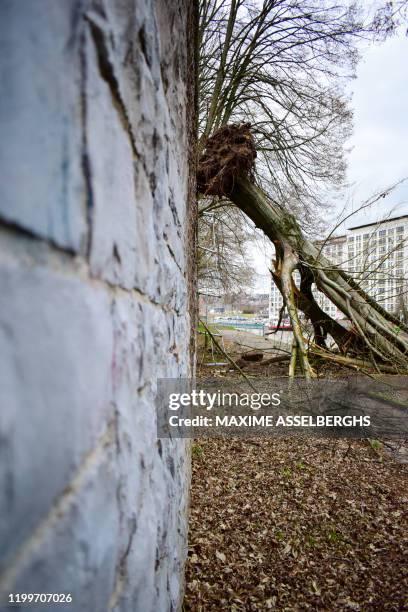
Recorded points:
(375, 255)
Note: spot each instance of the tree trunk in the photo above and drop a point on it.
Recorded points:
(376, 335)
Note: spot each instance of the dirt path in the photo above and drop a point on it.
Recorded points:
(294, 525)
(248, 340)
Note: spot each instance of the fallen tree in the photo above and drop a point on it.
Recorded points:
(376, 337)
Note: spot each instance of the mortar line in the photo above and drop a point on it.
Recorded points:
(59, 508)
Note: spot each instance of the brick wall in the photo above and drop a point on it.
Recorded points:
(96, 284)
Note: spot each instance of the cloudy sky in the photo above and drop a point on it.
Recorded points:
(380, 142)
(379, 145)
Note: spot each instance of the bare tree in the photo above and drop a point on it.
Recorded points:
(281, 66)
(377, 338)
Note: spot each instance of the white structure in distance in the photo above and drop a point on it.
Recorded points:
(375, 255)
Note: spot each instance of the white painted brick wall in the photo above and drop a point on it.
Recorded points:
(95, 284)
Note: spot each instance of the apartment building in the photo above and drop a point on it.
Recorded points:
(375, 254)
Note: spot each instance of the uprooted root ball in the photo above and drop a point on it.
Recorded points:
(228, 153)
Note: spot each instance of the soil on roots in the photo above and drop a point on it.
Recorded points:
(230, 152)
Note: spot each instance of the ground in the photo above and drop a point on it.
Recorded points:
(294, 524)
(297, 524)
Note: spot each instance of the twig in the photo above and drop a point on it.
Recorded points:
(276, 359)
(232, 362)
(350, 361)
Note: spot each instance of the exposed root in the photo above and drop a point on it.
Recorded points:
(287, 262)
(228, 153)
(292, 364)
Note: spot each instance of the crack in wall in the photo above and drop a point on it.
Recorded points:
(107, 71)
(86, 165)
(121, 569)
(174, 259)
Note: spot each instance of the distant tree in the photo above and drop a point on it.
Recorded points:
(224, 235)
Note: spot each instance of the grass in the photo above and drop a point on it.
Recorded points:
(213, 327)
(375, 444)
(197, 450)
(334, 537)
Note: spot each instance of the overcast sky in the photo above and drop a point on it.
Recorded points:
(379, 155)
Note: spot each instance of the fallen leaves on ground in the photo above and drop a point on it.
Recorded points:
(296, 524)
